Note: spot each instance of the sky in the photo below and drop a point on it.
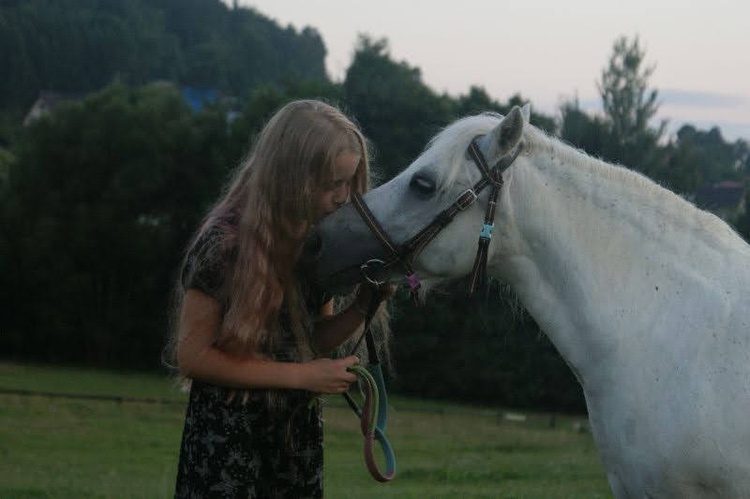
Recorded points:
(550, 51)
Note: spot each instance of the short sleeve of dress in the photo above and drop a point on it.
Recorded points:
(206, 265)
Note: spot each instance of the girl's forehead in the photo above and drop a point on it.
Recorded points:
(346, 163)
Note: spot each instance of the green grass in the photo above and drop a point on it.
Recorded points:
(79, 448)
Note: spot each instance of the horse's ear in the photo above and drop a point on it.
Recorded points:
(526, 113)
(506, 135)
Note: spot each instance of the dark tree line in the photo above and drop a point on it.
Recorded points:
(80, 46)
(98, 200)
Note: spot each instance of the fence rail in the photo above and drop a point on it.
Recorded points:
(85, 396)
(499, 415)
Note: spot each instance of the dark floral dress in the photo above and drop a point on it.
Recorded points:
(236, 446)
(242, 449)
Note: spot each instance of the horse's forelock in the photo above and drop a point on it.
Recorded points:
(448, 148)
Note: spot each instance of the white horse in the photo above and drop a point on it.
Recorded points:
(645, 296)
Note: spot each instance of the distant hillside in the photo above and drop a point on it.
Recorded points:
(78, 46)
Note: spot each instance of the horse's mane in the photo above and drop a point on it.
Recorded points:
(449, 146)
(640, 189)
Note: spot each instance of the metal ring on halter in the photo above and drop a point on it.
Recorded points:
(365, 267)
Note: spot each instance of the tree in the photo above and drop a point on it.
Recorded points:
(582, 131)
(512, 362)
(626, 99)
(264, 101)
(101, 199)
(82, 46)
(629, 108)
(397, 112)
(478, 101)
(743, 223)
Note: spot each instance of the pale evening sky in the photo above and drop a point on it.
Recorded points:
(550, 51)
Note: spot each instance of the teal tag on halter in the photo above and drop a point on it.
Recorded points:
(487, 231)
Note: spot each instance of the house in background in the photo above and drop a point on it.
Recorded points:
(46, 103)
(725, 199)
(196, 98)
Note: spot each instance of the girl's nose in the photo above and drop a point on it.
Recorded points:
(342, 196)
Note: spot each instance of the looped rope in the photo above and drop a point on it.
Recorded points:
(374, 412)
(373, 420)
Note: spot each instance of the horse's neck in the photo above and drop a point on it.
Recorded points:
(587, 242)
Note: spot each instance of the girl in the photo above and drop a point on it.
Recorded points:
(251, 331)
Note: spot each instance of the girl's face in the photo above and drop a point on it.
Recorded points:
(334, 195)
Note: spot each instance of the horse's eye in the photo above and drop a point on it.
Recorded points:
(422, 185)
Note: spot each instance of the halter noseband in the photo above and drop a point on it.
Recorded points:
(406, 254)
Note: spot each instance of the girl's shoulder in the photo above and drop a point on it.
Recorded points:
(209, 258)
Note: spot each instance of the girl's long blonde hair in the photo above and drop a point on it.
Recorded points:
(272, 199)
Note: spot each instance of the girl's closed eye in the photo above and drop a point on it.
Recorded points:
(338, 184)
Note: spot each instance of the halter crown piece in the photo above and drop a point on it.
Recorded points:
(406, 254)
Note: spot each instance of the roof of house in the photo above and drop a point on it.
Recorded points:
(46, 103)
(720, 195)
(198, 97)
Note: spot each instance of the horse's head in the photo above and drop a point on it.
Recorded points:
(411, 201)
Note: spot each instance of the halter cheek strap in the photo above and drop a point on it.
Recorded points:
(495, 176)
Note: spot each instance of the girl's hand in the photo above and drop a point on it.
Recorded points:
(329, 375)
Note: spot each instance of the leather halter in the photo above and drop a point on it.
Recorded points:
(373, 413)
(406, 253)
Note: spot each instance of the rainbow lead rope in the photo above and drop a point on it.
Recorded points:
(374, 419)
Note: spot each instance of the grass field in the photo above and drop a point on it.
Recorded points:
(58, 447)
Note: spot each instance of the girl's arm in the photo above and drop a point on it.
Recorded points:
(333, 330)
(198, 357)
